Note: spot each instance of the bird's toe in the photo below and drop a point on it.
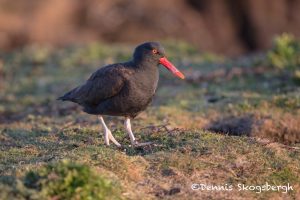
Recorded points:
(137, 144)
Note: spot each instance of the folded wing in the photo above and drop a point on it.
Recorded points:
(103, 84)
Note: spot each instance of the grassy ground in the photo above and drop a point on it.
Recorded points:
(230, 122)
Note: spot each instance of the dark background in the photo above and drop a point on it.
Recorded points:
(229, 27)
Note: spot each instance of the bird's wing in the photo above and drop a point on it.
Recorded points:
(103, 84)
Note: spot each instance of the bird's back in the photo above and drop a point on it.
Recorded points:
(105, 83)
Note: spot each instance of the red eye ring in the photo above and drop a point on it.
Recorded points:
(154, 51)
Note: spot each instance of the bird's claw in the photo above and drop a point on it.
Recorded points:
(137, 144)
(118, 145)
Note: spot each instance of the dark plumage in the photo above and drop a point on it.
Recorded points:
(118, 90)
(123, 89)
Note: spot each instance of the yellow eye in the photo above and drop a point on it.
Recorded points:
(154, 51)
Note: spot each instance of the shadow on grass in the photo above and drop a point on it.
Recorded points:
(162, 140)
(233, 125)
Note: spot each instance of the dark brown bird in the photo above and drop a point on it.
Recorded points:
(123, 89)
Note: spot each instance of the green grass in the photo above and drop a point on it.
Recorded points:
(40, 136)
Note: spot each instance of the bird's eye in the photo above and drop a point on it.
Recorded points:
(154, 51)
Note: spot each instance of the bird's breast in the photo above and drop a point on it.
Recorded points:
(142, 87)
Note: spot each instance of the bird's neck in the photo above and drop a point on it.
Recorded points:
(147, 71)
(146, 65)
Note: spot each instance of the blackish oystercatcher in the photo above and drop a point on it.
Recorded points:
(123, 89)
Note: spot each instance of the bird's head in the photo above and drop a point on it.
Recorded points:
(154, 53)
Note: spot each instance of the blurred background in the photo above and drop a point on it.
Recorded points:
(225, 27)
(235, 114)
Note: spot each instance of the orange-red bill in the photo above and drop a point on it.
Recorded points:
(164, 61)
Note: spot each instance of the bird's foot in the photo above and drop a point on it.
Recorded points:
(118, 145)
(137, 144)
(109, 137)
(106, 138)
(106, 141)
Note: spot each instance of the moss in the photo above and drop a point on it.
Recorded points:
(283, 176)
(285, 52)
(67, 180)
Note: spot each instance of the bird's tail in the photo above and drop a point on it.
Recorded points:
(62, 98)
(70, 96)
(65, 97)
